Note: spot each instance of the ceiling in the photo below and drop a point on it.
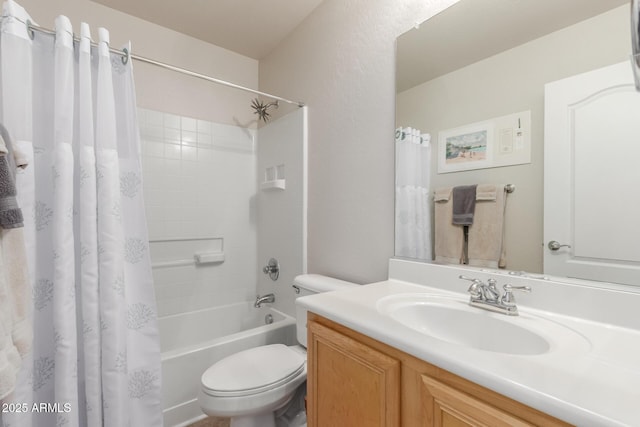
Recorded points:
(250, 27)
(477, 29)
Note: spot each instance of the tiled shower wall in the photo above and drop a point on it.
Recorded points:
(200, 191)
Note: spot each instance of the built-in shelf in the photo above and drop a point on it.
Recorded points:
(275, 184)
(187, 252)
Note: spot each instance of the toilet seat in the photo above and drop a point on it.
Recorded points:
(253, 371)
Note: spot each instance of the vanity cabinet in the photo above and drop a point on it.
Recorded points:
(449, 407)
(354, 380)
(352, 384)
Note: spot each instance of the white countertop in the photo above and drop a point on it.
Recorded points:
(597, 384)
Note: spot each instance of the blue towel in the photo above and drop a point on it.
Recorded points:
(464, 204)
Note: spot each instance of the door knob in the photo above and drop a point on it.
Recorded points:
(554, 245)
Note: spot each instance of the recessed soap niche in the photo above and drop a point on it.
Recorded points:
(274, 178)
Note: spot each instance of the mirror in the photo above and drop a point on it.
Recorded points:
(485, 59)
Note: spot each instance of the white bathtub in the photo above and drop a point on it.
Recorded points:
(191, 342)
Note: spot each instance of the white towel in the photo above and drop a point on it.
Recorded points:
(16, 332)
(487, 191)
(17, 156)
(486, 235)
(17, 280)
(449, 238)
(10, 359)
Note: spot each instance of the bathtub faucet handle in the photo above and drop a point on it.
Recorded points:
(272, 269)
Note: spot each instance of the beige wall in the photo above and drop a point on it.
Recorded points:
(160, 89)
(341, 62)
(507, 83)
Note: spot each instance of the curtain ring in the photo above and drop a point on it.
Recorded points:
(30, 31)
(125, 57)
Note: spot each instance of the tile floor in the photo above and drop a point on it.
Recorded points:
(212, 422)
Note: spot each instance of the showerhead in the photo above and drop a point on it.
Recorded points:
(261, 109)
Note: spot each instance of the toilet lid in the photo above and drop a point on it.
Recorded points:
(253, 371)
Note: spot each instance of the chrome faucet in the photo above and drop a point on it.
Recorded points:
(264, 299)
(488, 297)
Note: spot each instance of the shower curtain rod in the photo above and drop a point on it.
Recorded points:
(125, 54)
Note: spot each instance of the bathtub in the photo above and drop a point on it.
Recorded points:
(191, 342)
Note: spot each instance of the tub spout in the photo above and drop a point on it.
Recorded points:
(263, 299)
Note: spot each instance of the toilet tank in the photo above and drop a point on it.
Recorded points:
(310, 284)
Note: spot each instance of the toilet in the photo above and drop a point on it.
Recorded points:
(253, 386)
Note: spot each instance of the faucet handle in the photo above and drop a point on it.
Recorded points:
(507, 298)
(473, 288)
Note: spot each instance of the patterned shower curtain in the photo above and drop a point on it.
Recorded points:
(71, 109)
(413, 212)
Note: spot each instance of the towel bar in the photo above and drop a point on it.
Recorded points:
(509, 188)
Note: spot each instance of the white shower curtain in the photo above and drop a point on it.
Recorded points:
(96, 347)
(413, 214)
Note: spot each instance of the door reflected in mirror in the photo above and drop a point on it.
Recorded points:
(457, 69)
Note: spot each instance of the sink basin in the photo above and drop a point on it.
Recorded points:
(455, 322)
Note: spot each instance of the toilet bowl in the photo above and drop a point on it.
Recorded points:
(254, 384)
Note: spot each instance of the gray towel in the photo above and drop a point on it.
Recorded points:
(10, 213)
(464, 204)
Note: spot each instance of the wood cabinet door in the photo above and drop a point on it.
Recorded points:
(444, 406)
(348, 383)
